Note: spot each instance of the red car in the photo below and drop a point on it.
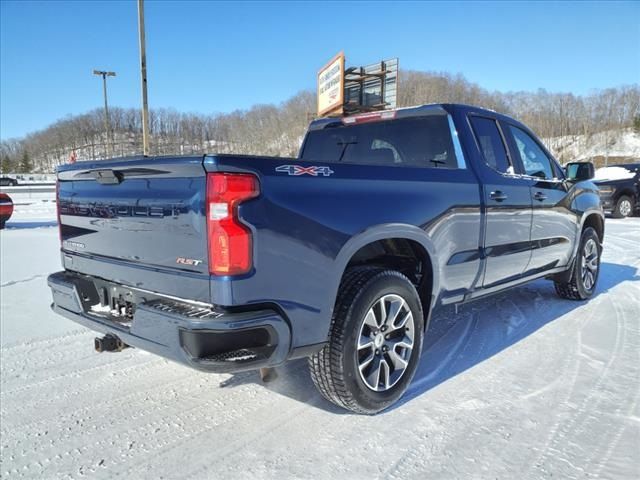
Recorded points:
(6, 208)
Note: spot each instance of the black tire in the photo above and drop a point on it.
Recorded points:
(335, 369)
(624, 207)
(579, 286)
(1, 225)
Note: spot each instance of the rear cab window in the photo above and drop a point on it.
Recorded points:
(425, 142)
(491, 144)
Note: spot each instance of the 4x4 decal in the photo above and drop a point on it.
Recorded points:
(297, 170)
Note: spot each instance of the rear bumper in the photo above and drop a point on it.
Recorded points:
(207, 340)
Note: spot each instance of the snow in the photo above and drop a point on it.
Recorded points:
(32, 178)
(619, 144)
(32, 208)
(520, 385)
(613, 173)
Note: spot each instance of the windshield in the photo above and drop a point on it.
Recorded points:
(415, 142)
(613, 173)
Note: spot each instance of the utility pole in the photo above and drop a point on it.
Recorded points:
(143, 71)
(107, 129)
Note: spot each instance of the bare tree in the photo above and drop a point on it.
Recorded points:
(279, 129)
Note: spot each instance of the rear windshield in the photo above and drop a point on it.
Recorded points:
(409, 142)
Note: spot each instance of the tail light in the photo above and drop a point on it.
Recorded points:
(230, 243)
(370, 117)
(6, 206)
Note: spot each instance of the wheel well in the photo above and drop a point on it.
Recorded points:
(404, 255)
(596, 222)
(625, 193)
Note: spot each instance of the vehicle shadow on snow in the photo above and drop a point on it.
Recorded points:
(481, 329)
(455, 342)
(22, 225)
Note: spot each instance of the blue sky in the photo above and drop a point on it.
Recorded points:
(217, 57)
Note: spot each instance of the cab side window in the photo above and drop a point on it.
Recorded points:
(536, 163)
(491, 144)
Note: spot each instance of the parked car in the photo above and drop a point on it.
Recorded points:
(6, 209)
(8, 182)
(619, 187)
(233, 262)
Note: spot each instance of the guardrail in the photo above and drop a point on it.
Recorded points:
(29, 189)
(32, 184)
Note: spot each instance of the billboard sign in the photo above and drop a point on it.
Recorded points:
(331, 86)
(371, 87)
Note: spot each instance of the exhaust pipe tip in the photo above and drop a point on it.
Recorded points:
(109, 343)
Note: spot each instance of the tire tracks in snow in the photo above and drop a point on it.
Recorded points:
(122, 401)
(254, 420)
(25, 280)
(610, 443)
(130, 412)
(148, 436)
(420, 451)
(81, 331)
(566, 428)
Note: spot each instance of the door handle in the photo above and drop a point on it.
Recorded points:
(539, 196)
(498, 196)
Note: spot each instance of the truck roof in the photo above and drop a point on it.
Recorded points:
(417, 110)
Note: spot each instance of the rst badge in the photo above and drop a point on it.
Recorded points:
(297, 170)
(188, 261)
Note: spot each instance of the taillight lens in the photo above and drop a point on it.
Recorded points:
(230, 245)
(370, 117)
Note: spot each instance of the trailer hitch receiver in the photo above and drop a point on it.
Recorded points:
(109, 343)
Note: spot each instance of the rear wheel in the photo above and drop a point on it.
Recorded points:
(624, 207)
(374, 342)
(586, 267)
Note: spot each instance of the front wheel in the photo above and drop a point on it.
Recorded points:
(374, 344)
(623, 208)
(586, 268)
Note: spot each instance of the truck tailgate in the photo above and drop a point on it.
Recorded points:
(146, 214)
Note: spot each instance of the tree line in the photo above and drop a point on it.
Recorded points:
(279, 129)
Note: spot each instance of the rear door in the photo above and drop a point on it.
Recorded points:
(554, 228)
(507, 246)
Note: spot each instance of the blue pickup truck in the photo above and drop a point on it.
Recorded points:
(231, 262)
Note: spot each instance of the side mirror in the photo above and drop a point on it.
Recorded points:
(579, 171)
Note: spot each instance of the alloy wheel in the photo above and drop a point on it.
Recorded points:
(589, 264)
(385, 342)
(625, 208)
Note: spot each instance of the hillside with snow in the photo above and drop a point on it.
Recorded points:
(603, 148)
(611, 146)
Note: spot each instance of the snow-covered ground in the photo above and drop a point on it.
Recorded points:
(523, 385)
(32, 209)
